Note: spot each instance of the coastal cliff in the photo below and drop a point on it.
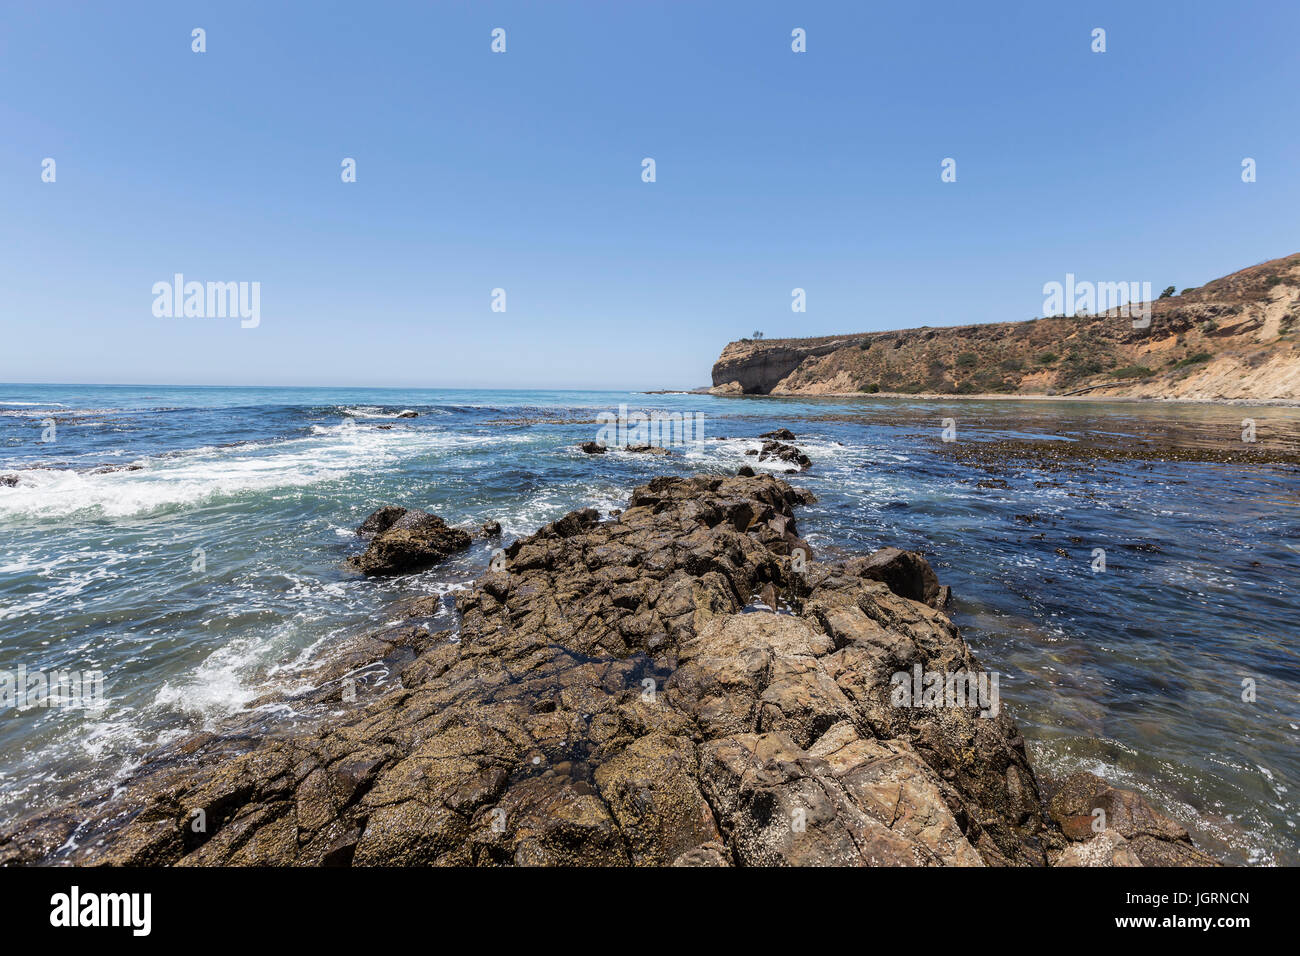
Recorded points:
(1237, 337)
(678, 683)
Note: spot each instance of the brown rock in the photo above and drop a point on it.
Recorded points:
(906, 573)
(410, 542)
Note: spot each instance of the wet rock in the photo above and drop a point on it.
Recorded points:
(423, 606)
(409, 542)
(783, 452)
(1087, 808)
(491, 529)
(906, 573)
(592, 448)
(744, 471)
(407, 413)
(781, 434)
(381, 519)
(647, 450)
(9, 481)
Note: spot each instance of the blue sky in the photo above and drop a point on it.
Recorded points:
(522, 171)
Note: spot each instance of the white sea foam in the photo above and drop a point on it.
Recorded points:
(379, 411)
(208, 474)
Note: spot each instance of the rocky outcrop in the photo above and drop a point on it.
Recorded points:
(1113, 827)
(1237, 337)
(613, 697)
(754, 368)
(596, 448)
(779, 451)
(405, 541)
(906, 573)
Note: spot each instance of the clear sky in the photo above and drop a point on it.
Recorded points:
(523, 171)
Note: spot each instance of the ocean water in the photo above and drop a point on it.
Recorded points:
(188, 543)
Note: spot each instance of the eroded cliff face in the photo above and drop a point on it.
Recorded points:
(760, 366)
(1234, 338)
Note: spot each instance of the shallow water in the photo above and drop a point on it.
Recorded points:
(1134, 672)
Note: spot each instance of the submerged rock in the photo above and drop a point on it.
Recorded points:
(406, 541)
(647, 449)
(407, 413)
(611, 701)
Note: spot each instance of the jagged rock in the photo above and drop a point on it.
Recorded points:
(592, 448)
(608, 701)
(781, 434)
(425, 605)
(782, 452)
(1108, 848)
(9, 481)
(906, 573)
(491, 529)
(381, 519)
(647, 449)
(406, 542)
(1144, 833)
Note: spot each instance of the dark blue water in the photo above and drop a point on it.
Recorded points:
(1134, 673)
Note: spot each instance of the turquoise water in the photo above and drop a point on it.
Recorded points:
(1134, 673)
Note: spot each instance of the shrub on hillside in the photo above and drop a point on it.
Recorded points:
(1194, 359)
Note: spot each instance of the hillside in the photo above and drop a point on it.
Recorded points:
(1233, 338)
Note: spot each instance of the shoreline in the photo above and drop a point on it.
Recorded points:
(707, 648)
(1003, 397)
